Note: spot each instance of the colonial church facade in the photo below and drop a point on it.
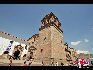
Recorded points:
(49, 43)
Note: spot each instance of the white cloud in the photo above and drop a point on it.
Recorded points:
(92, 28)
(86, 40)
(76, 43)
(82, 51)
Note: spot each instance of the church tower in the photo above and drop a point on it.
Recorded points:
(50, 46)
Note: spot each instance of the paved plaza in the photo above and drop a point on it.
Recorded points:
(5, 62)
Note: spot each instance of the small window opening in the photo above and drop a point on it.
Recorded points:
(45, 38)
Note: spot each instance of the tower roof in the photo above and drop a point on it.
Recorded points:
(50, 20)
(48, 16)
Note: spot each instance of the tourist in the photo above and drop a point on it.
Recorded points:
(81, 62)
(92, 63)
(25, 64)
(10, 61)
(30, 63)
(56, 64)
(62, 64)
(52, 64)
(42, 63)
(75, 63)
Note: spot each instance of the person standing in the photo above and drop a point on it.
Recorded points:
(42, 63)
(10, 61)
(62, 64)
(30, 63)
(81, 62)
(56, 64)
(52, 63)
(25, 64)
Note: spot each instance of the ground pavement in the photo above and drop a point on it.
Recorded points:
(5, 62)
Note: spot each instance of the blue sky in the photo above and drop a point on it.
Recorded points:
(24, 20)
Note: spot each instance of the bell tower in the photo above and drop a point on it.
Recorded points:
(50, 41)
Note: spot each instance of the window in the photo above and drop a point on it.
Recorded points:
(61, 41)
(45, 38)
(41, 50)
(32, 42)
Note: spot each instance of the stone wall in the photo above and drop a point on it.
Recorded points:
(57, 44)
(50, 42)
(43, 45)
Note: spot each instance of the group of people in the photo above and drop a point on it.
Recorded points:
(25, 62)
(56, 64)
(79, 62)
(82, 62)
